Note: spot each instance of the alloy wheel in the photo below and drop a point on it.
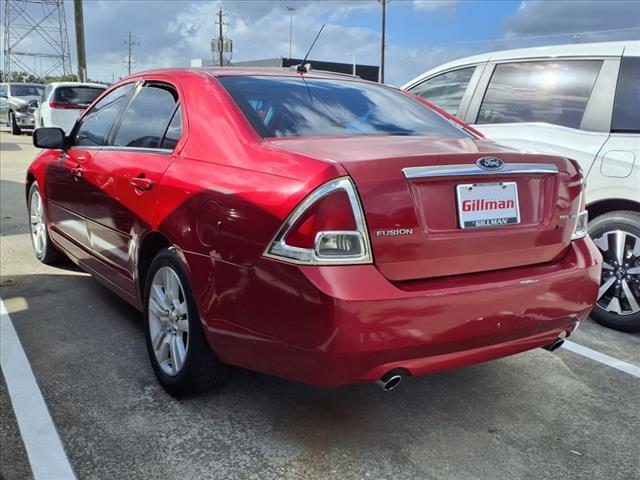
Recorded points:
(168, 321)
(620, 282)
(38, 232)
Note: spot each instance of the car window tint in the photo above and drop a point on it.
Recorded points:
(77, 95)
(97, 123)
(554, 92)
(285, 106)
(174, 131)
(446, 90)
(147, 117)
(25, 90)
(626, 108)
(3, 91)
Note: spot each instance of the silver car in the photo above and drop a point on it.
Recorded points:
(18, 101)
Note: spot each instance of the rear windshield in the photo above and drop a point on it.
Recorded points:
(26, 90)
(288, 107)
(76, 95)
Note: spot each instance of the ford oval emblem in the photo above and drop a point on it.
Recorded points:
(490, 163)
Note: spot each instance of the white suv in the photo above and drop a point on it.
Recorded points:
(63, 102)
(581, 101)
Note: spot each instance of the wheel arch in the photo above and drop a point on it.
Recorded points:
(601, 207)
(31, 178)
(152, 243)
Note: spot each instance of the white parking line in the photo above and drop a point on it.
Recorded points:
(602, 358)
(44, 449)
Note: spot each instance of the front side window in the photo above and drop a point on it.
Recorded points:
(26, 90)
(97, 123)
(147, 117)
(446, 90)
(626, 108)
(286, 107)
(3, 90)
(554, 92)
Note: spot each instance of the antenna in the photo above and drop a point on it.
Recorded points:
(302, 68)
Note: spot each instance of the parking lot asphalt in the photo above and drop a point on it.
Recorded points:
(531, 416)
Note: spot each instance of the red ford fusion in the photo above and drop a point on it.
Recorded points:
(312, 226)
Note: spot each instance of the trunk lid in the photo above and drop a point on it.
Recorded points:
(416, 193)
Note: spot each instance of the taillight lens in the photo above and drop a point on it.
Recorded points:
(582, 217)
(65, 106)
(327, 228)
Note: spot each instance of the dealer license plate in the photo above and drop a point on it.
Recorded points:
(488, 204)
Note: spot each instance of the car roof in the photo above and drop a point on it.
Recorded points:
(76, 84)
(599, 49)
(23, 83)
(248, 71)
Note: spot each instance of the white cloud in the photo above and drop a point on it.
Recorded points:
(434, 5)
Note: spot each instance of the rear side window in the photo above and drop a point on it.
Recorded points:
(286, 107)
(446, 90)
(82, 96)
(97, 123)
(174, 131)
(554, 92)
(626, 108)
(147, 117)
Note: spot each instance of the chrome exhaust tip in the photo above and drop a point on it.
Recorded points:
(389, 381)
(557, 343)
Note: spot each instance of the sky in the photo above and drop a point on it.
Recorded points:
(420, 34)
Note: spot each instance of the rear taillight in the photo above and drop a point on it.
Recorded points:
(66, 106)
(582, 216)
(327, 228)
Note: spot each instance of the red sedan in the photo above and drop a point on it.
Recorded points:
(311, 226)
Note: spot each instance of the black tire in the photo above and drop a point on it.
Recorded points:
(15, 129)
(200, 371)
(48, 253)
(629, 223)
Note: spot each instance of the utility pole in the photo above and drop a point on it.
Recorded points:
(353, 55)
(130, 43)
(80, 51)
(291, 11)
(384, 26)
(220, 38)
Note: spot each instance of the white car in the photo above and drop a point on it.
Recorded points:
(63, 102)
(580, 101)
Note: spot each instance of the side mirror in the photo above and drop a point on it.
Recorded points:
(49, 137)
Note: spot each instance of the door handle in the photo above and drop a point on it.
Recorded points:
(142, 183)
(77, 171)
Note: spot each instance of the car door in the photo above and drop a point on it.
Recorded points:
(126, 177)
(556, 106)
(66, 185)
(616, 171)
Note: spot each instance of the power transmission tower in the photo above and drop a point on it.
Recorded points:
(35, 38)
(130, 43)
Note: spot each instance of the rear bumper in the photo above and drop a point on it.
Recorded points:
(340, 325)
